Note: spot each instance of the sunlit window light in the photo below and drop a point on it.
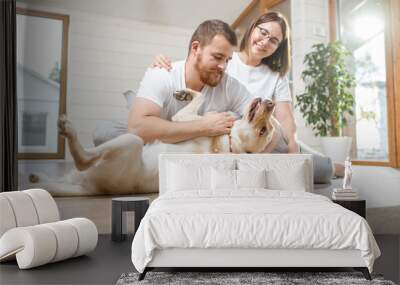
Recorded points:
(367, 26)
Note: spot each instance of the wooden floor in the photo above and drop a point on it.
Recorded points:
(111, 259)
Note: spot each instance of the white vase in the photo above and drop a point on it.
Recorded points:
(337, 148)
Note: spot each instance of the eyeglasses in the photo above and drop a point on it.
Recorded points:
(267, 35)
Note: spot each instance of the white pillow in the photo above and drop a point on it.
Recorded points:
(251, 178)
(282, 174)
(293, 180)
(224, 179)
(190, 175)
(183, 178)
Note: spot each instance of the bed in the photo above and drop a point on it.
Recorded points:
(246, 211)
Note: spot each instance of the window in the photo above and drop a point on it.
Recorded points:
(42, 42)
(369, 31)
(34, 129)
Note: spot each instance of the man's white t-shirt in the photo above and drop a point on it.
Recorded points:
(158, 86)
(261, 81)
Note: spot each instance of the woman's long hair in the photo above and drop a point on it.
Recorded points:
(279, 61)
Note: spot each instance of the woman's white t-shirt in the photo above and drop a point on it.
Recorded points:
(261, 81)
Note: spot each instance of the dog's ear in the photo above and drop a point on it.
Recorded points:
(184, 95)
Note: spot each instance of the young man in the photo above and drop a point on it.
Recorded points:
(210, 49)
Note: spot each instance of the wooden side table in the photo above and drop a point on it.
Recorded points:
(357, 206)
(139, 205)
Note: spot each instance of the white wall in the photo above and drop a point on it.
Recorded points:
(310, 25)
(178, 13)
(380, 186)
(107, 56)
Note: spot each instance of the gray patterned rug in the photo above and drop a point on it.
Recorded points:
(242, 278)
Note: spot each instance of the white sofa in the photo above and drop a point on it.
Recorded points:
(31, 231)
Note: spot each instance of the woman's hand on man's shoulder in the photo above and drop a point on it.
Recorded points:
(161, 61)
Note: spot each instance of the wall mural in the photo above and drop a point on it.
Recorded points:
(108, 57)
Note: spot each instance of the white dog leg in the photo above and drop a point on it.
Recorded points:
(83, 159)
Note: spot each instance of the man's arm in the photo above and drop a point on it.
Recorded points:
(144, 120)
(284, 115)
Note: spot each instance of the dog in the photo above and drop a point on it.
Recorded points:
(125, 165)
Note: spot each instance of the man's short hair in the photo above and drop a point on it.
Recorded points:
(207, 30)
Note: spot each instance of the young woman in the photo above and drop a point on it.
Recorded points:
(262, 64)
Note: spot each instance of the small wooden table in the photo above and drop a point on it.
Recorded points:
(357, 206)
(139, 205)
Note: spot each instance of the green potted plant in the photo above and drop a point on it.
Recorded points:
(327, 97)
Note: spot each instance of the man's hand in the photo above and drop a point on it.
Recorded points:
(145, 121)
(162, 61)
(216, 124)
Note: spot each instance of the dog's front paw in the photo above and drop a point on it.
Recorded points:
(183, 95)
(65, 127)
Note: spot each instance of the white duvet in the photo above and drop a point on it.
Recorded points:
(253, 218)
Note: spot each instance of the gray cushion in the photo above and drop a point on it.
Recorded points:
(129, 97)
(108, 130)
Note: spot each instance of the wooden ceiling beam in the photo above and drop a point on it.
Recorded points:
(243, 15)
(263, 7)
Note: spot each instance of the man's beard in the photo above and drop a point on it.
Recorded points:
(210, 77)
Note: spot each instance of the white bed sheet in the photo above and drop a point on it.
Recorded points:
(252, 218)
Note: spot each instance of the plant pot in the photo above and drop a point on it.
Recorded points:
(337, 148)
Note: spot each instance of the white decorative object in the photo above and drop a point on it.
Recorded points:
(348, 174)
(32, 233)
(346, 192)
(337, 148)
